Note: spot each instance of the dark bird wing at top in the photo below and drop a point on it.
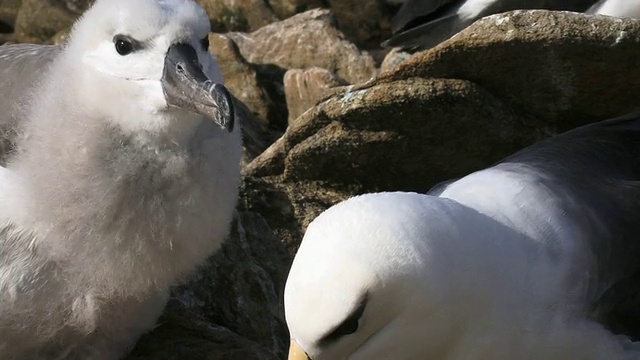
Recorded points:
(412, 10)
(422, 24)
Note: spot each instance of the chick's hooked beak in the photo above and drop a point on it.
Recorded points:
(186, 86)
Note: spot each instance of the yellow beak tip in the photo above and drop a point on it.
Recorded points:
(296, 352)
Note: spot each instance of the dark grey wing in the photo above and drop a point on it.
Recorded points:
(594, 9)
(412, 10)
(423, 31)
(424, 24)
(21, 65)
(431, 33)
(595, 171)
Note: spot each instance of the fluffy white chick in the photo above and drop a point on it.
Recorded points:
(123, 180)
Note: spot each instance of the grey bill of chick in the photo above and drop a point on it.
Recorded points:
(123, 179)
(619, 8)
(423, 24)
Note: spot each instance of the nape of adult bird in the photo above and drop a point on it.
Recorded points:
(533, 258)
(122, 179)
(423, 24)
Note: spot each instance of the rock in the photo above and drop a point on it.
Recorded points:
(252, 84)
(238, 15)
(490, 91)
(363, 21)
(565, 68)
(60, 37)
(287, 8)
(393, 58)
(7, 38)
(256, 135)
(404, 135)
(248, 274)
(303, 88)
(8, 13)
(181, 334)
(37, 21)
(261, 106)
(310, 39)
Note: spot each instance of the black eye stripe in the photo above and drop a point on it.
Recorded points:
(348, 326)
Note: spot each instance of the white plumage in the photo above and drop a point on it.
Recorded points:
(123, 179)
(533, 258)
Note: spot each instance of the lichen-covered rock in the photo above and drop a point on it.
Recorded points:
(564, 67)
(407, 134)
(304, 87)
(506, 82)
(310, 39)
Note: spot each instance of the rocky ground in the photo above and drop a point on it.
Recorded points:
(328, 114)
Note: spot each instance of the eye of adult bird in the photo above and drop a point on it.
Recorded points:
(348, 326)
(205, 42)
(124, 45)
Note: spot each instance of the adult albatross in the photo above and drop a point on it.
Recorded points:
(122, 177)
(536, 257)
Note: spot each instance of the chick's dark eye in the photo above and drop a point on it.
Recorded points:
(124, 47)
(205, 43)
